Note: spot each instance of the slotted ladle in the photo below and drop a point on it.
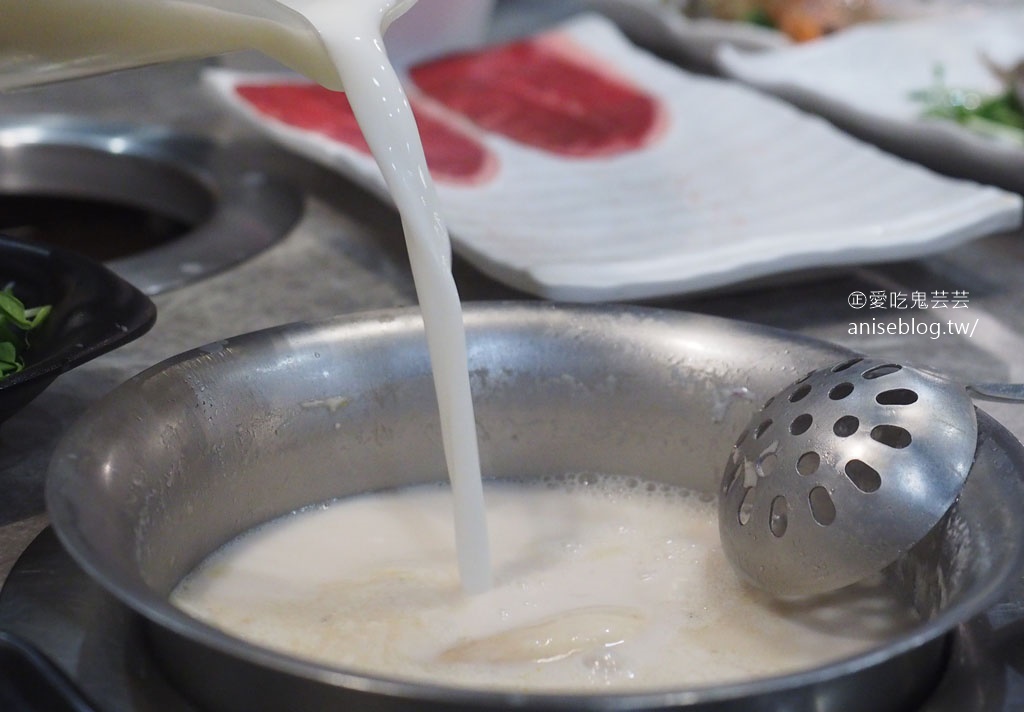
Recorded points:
(843, 471)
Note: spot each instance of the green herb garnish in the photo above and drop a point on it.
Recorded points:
(999, 116)
(15, 322)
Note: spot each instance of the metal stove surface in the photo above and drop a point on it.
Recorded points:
(346, 254)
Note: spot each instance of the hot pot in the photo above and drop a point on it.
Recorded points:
(208, 444)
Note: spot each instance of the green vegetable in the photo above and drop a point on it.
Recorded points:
(1000, 116)
(15, 322)
(760, 17)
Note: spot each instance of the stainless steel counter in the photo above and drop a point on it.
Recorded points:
(347, 255)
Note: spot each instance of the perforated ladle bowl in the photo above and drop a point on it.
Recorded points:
(842, 472)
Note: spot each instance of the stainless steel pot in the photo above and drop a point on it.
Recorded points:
(198, 449)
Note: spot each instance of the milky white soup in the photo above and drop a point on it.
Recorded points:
(600, 583)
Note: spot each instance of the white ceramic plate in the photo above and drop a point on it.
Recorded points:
(864, 77)
(662, 25)
(657, 25)
(736, 186)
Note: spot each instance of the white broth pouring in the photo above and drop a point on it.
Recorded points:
(351, 32)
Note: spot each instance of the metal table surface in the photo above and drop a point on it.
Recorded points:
(347, 255)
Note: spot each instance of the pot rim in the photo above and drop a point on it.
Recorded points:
(157, 610)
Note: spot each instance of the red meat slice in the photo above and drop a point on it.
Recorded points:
(547, 93)
(452, 155)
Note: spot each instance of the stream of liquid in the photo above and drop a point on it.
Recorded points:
(351, 32)
(338, 43)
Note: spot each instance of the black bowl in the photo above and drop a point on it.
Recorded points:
(94, 311)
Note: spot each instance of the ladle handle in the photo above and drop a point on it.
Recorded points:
(998, 392)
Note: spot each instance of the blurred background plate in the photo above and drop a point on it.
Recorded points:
(94, 311)
(694, 30)
(665, 28)
(877, 80)
(728, 186)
